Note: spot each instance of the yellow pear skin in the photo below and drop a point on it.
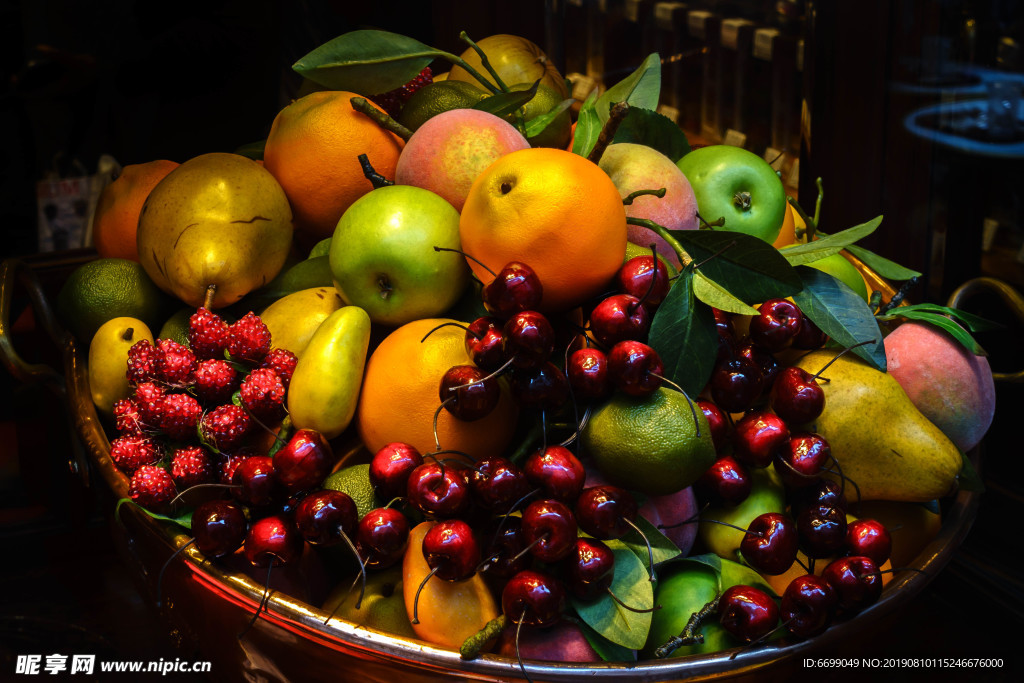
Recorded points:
(881, 441)
(294, 318)
(327, 378)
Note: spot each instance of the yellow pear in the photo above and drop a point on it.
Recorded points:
(293, 319)
(217, 219)
(881, 441)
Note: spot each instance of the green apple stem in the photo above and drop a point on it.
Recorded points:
(376, 179)
(689, 634)
(472, 646)
(742, 200)
(361, 105)
(483, 60)
(632, 196)
(708, 225)
(615, 116)
(469, 256)
(664, 233)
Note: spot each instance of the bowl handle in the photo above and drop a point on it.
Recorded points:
(1010, 296)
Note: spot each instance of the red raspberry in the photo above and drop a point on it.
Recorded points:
(215, 381)
(250, 339)
(174, 363)
(192, 465)
(208, 334)
(225, 427)
(148, 397)
(152, 488)
(132, 452)
(392, 101)
(230, 463)
(126, 418)
(178, 415)
(141, 362)
(281, 361)
(262, 394)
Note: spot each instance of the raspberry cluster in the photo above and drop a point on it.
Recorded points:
(195, 408)
(392, 101)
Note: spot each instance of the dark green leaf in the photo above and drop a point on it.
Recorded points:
(609, 651)
(841, 313)
(641, 89)
(944, 323)
(968, 478)
(714, 295)
(974, 323)
(183, 519)
(252, 150)
(507, 103)
(881, 265)
(751, 269)
(588, 127)
(710, 560)
(632, 586)
(683, 333)
(800, 254)
(647, 127)
(536, 126)
(367, 62)
(662, 546)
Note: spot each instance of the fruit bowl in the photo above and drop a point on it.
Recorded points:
(206, 605)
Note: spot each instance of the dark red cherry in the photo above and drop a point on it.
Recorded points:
(390, 469)
(605, 511)
(619, 317)
(726, 481)
(638, 278)
(528, 339)
(257, 481)
(589, 568)
(822, 531)
(764, 360)
(323, 516)
(541, 388)
(439, 490)
(498, 484)
(727, 346)
(771, 544)
(516, 288)
(381, 537)
(557, 472)
(757, 436)
(533, 598)
(747, 613)
(718, 424)
(778, 322)
(587, 373)
(484, 343)
(796, 397)
(869, 538)
(549, 527)
(820, 491)
(304, 461)
(856, 580)
(810, 336)
(735, 384)
(468, 393)
(802, 459)
(808, 605)
(272, 539)
(504, 554)
(450, 548)
(635, 368)
(219, 527)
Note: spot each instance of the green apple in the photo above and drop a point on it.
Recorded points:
(840, 268)
(382, 255)
(766, 495)
(739, 186)
(382, 607)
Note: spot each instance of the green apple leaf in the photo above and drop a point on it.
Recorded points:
(747, 267)
(631, 584)
(840, 313)
(537, 125)
(799, 254)
(647, 127)
(890, 270)
(710, 560)
(588, 126)
(714, 295)
(662, 546)
(640, 89)
(943, 323)
(367, 62)
(683, 333)
(609, 651)
(504, 104)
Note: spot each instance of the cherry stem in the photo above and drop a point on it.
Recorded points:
(894, 570)
(260, 422)
(843, 478)
(575, 405)
(416, 599)
(160, 577)
(650, 551)
(638, 610)
(469, 256)
(437, 441)
(519, 625)
(504, 366)
(695, 517)
(689, 635)
(504, 518)
(381, 119)
(761, 639)
(840, 355)
(454, 324)
(542, 537)
(801, 563)
(693, 408)
(263, 601)
(362, 565)
(615, 116)
(716, 254)
(175, 500)
(629, 198)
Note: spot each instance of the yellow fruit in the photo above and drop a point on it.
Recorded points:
(553, 210)
(294, 318)
(400, 395)
(108, 360)
(515, 59)
(116, 220)
(787, 235)
(911, 525)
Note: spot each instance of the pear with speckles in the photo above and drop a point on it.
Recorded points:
(879, 438)
(218, 219)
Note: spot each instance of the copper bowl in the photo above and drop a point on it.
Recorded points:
(207, 604)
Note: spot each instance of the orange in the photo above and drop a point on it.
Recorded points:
(399, 395)
(117, 212)
(313, 150)
(556, 212)
(787, 235)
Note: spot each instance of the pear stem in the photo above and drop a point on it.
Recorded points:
(361, 105)
(211, 292)
(615, 116)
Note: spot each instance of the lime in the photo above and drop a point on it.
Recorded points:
(433, 99)
(649, 444)
(556, 133)
(108, 360)
(176, 327)
(107, 288)
(355, 481)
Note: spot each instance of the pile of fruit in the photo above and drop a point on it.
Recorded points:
(618, 399)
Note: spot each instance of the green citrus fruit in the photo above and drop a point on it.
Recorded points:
(433, 99)
(649, 444)
(176, 327)
(556, 133)
(107, 288)
(355, 481)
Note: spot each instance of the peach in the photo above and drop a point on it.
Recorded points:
(951, 386)
(563, 642)
(448, 152)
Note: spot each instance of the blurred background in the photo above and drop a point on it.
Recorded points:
(910, 109)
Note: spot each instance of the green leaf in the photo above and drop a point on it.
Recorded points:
(944, 323)
(890, 270)
(841, 313)
(714, 295)
(631, 584)
(646, 127)
(641, 89)
(252, 150)
(588, 126)
(367, 62)
(710, 560)
(968, 479)
(537, 125)
(747, 267)
(662, 546)
(974, 323)
(283, 435)
(504, 104)
(683, 333)
(184, 519)
(609, 651)
(799, 254)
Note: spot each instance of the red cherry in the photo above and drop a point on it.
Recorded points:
(381, 537)
(589, 568)
(450, 548)
(219, 527)
(533, 598)
(516, 288)
(778, 323)
(771, 544)
(322, 517)
(802, 459)
(557, 472)
(439, 490)
(735, 384)
(796, 397)
(747, 613)
(468, 393)
(808, 605)
(717, 423)
(757, 436)
(869, 538)
(528, 339)
(272, 540)
(636, 276)
(726, 481)
(304, 461)
(542, 388)
(605, 511)
(484, 343)
(587, 373)
(619, 317)
(856, 580)
(390, 469)
(635, 368)
(549, 528)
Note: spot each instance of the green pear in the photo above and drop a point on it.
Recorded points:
(766, 495)
(382, 607)
(881, 441)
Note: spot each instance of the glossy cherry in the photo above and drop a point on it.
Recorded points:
(516, 288)
(589, 569)
(757, 436)
(468, 393)
(727, 347)
(635, 368)
(439, 490)
(541, 388)
(504, 554)
(771, 543)
(219, 527)
(796, 396)
(808, 605)
(718, 424)
(856, 580)
(869, 538)
(802, 459)
(735, 384)
(528, 339)
(557, 472)
(820, 491)
(822, 531)
(304, 461)
(619, 317)
(645, 278)
(533, 598)
(605, 511)
(747, 613)
(549, 528)
(257, 481)
(323, 516)
(390, 468)
(763, 359)
(727, 481)
(381, 537)
(778, 322)
(810, 336)
(272, 540)
(484, 343)
(498, 484)
(587, 372)
(451, 550)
